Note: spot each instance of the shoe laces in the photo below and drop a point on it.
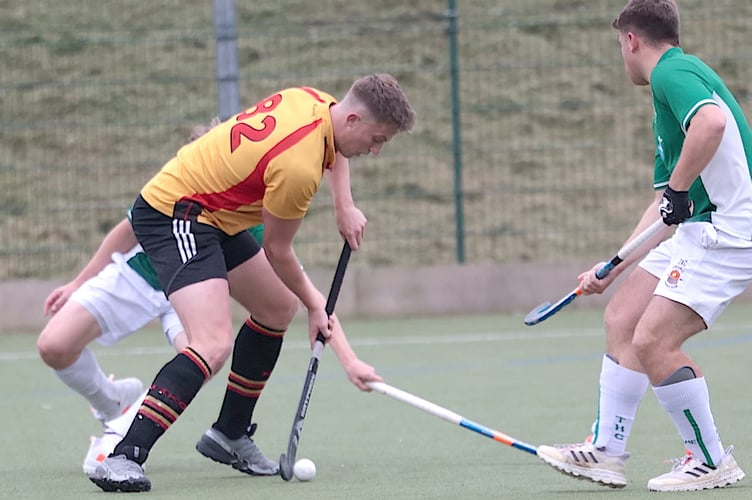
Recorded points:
(689, 460)
(125, 465)
(249, 451)
(566, 446)
(590, 447)
(246, 446)
(680, 462)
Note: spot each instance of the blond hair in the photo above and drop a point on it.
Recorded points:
(384, 99)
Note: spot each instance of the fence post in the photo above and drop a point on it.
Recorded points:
(454, 73)
(226, 36)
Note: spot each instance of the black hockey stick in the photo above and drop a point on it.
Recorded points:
(287, 460)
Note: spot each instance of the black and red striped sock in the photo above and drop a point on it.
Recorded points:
(255, 353)
(174, 387)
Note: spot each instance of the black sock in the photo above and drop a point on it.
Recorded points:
(255, 353)
(174, 387)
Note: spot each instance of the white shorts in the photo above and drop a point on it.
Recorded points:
(123, 302)
(702, 268)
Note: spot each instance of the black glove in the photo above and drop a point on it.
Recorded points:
(676, 206)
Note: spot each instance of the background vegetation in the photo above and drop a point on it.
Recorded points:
(556, 148)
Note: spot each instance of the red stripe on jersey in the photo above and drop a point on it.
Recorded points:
(252, 188)
(313, 93)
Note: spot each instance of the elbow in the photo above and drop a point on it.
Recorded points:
(715, 125)
(710, 124)
(272, 251)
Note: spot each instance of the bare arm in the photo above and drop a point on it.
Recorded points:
(700, 144)
(357, 371)
(590, 284)
(351, 222)
(119, 239)
(278, 236)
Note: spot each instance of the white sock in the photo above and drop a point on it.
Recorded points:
(87, 378)
(121, 424)
(688, 404)
(621, 392)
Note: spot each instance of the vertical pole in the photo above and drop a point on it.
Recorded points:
(226, 36)
(451, 15)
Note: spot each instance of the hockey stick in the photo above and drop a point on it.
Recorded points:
(546, 310)
(287, 460)
(449, 416)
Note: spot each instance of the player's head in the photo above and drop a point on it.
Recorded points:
(371, 113)
(645, 26)
(655, 21)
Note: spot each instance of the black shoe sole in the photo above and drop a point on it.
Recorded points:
(123, 486)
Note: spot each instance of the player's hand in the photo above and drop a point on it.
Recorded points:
(359, 373)
(351, 223)
(676, 207)
(319, 321)
(58, 297)
(589, 282)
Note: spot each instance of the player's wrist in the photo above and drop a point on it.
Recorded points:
(676, 207)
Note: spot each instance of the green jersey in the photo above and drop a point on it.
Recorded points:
(722, 194)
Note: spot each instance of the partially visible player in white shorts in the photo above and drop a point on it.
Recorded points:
(122, 301)
(108, 301)
(715, 263)
(121, 298)
(107, 307)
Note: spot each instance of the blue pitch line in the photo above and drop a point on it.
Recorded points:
(555, 360)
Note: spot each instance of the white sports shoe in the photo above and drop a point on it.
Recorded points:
(128, 391)
(585, 461)
(99, 449)
(690, 474)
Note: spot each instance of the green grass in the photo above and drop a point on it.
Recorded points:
(537, 384)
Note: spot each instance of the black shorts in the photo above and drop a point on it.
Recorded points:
(184, 251)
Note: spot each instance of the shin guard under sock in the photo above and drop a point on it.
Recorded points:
(174, 387)
(255, 353)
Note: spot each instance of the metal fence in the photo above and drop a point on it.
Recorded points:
(550, 156)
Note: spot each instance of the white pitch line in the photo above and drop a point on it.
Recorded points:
(453, 338)
(450, 338)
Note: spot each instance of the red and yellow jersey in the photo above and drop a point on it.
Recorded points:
(272, 155)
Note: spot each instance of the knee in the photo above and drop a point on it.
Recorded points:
(619, 321)
(217, 355)
(279, 312)
(643, 346)
(613, 322)
(215, 350)
(288, 308)
(221, 356)
(53, 353)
